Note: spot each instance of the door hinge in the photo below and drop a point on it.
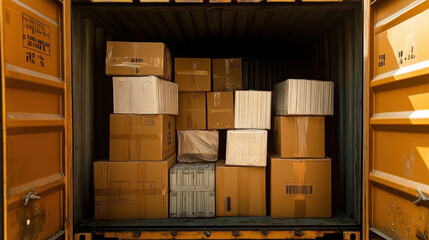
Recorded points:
(422, 197)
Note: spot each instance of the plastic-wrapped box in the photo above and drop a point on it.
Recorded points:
(246, 148)
(252, 110)
(192, 190)
(197, 145)
(144, 95)
(304, 97)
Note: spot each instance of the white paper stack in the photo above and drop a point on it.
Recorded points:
(246, 148)
(252, 110)
(304, 97)
(144, 95)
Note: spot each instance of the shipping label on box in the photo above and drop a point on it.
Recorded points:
(240, 191)
(227, 74)
(246, 148)
(144, 95)
(220, 110)
(138, 59)
(141, 137)
(252, 110)
(299, 137)
(300, 188)
(131, 190)
(193, 74)
(192, 111)
(198, 145)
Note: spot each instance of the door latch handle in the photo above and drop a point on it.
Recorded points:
(30, 196)
(422, 197)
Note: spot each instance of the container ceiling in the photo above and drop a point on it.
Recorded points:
(221, 30)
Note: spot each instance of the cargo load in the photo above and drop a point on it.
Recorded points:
(227, 74)
(246, 148)
(252, 110)
(197, 145)
(192, 111)
(240, 191)
(138, 59)
(220, 110)
(144, 95)
(300, 188)
(304, 97)
(193, 74)
(299, 137)
(131, 190)
(141, 137)
(192, 190)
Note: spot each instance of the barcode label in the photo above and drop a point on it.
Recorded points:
(299, 189)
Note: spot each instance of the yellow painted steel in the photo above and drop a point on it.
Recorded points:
(36, 119)
(397, 119)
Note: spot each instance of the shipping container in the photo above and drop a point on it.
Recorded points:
(56, 102)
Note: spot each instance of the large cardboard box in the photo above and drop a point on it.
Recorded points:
(193, 74)
(141, 137)
(192, 190)
(246, 148)
(300, 188)
(252, 110)
(220, 110)
(192, 111)
(198, 145)
(299, 137)
(131, 190)
(138, 59)
(227, 74)
(144, 95)
(304, 97)
(240, 191)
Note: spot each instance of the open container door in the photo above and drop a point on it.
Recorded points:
(36, 119)
(397, 119)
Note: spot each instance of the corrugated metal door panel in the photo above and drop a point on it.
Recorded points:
(398, 119)
(36, 114)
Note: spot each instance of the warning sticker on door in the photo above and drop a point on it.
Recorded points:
(35, 35)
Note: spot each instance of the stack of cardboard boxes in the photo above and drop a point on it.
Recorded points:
(134, 184)
(300, 175)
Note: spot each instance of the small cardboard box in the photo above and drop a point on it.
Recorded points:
(198, 145)
(240, 191)
(192, 111)
(138, 59)
(227, 74)
(220, 110)
(131, 190)
(300, 188)
(144, 95)
(193, 74)
(246, 148)
(299, 137)
(141, 137)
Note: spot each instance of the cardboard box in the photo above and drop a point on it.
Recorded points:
(246, 148)
(220, 110)
(192, 111)
(193, 74)
(138, 59)
(141, 137)
(131, 190)
(227, 74)
(240, 191)
(304, 97)
(198, 145)
(299, 137)
(144, 95)
(252, 110)
(300, 188)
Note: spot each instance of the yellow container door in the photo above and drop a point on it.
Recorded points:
(397, 119)
(36, 119)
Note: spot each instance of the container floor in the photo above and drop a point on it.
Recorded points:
(339, 221)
